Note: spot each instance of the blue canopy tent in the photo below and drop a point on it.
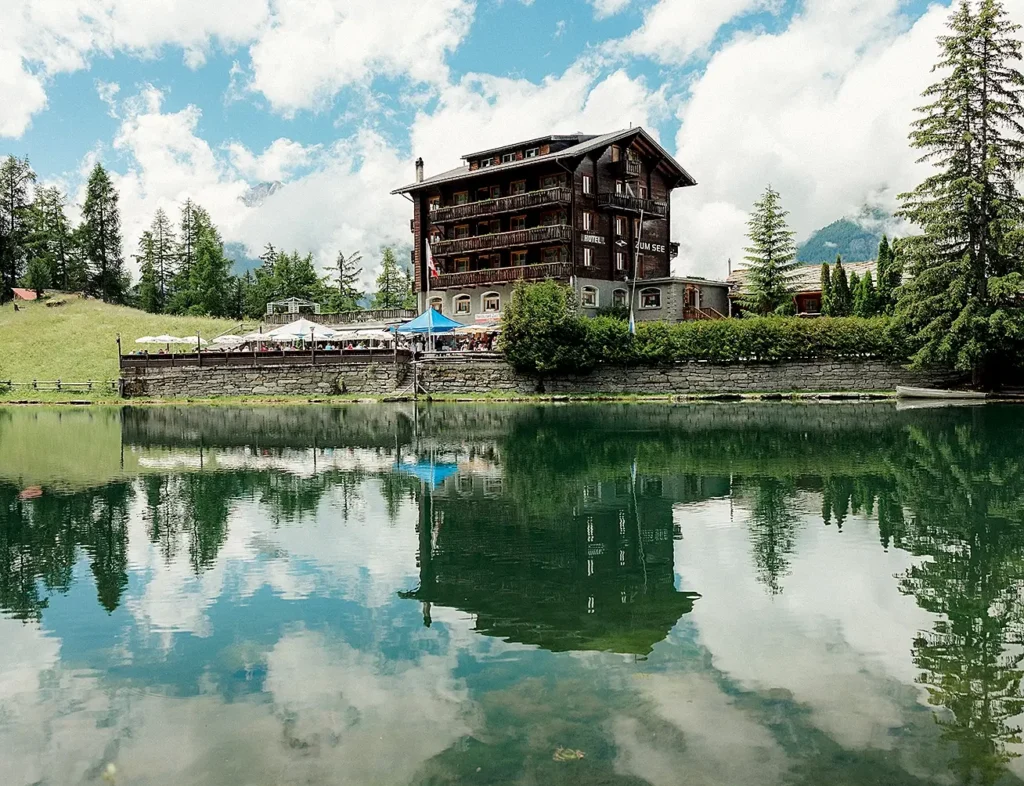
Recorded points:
(430, 321)
(431, 474)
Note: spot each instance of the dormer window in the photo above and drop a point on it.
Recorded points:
(508, 158)
(486, 162)
(533, 152)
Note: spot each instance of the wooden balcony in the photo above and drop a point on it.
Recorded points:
(557, 233)
(652, 208)
(502, 275)
(506, 204)
(628, 168)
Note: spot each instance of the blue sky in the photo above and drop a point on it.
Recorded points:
(335, 98)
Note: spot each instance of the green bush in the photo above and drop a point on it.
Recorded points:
(543, 332)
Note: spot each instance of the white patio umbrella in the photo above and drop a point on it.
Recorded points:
(301, 329)
(377, 335)
(146, 340)
(227, 341)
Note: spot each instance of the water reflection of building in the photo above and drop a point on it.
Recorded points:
(595, 572)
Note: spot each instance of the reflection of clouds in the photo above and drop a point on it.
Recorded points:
(359, 557)
(842, 651)
(720, 743)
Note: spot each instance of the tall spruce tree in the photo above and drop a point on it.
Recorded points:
(826, 289)
(195, 222)
(149, 298)
(101, 230)
(842, 297)
(209, 279)
(51, 236)
(164, 255)
(394, 287)
(16, 179)
(888, 273)
(347, 296)
(865, 297)
(771, 258)
(961, 306)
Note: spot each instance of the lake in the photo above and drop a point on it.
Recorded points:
(496, 594)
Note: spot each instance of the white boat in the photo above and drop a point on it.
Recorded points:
(953, 395)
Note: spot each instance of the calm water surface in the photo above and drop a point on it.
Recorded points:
(717, 594)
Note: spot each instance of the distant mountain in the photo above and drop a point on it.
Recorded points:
(242, 261)
(259, 193)
(855, 239)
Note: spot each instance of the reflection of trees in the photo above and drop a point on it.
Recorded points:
(40, 541)
(772, 527)
(964, 484)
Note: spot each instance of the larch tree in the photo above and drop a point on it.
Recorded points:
(51, 235)
(962, 305)
(209, 279)
(164, 254)
(101, 230)
(16, 180)
(347, 297)
(771, 258)
(149, 298)
(394, 287)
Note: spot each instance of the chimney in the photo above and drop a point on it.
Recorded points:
(419, 170)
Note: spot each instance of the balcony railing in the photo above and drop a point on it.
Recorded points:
(505, 204)
(628, 168)
(557, 233)
(502, 275)
(653, 208)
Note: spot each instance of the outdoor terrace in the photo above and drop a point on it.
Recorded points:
(652, 208)
(506, 204)
(557, 233)
(502, 275)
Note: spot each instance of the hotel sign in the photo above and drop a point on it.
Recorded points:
(597, 240)
(654, 248)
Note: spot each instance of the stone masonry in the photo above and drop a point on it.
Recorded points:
(486, 375)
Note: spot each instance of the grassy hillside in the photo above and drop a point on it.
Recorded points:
(78, 341)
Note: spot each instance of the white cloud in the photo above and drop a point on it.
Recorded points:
(606, 8)
(21, 93)
(313, 48)
(820, 110)
(277, 162)
(107, 91)
(673, 31)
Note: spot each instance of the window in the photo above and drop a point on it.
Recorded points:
(486, 162)
(489, 261)
(588, 184)
(620, 187)
(643, 192)
(650, 298)
(461, 231)
(518, 258)
(619, 297)
(482, 194)
(462, 304)
(516, 222)
(616, 153)
(552, 218)
(588, 256)
(620, 260)
(508, 158)
(517, 187)
(434, 203)
(588, 220)
(462, 264)
(620, 226)
(490, 303)
(552, 181)
(437, 304)
(460, 198)
(532, 152)
(589, 296)
(552, 254)
(484, 228)
(636, 227)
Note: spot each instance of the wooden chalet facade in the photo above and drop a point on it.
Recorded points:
(571, 208)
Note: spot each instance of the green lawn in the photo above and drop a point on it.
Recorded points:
(77, 341)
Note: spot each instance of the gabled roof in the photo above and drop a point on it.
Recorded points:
(590, 144)
(577, 138)
(24, 294)
(807, 278)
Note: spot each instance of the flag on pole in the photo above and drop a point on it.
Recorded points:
(432, 270)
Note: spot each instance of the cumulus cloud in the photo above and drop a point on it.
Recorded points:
(313, 48)
(277, 162)
(820, 110)
(606, 8)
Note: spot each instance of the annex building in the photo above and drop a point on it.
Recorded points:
(592, 211)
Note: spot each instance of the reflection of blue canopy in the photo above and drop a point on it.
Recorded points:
(430, 321)
(433, 474)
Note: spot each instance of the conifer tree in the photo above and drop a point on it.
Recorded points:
(842, 297)
(16, 179)
(961, 306)
(209, 284)
(149, 288)
(888, 274)
(854, 283)
(394, 288)
(37, 277)
(865, 298)
(771, 258)
(165, 253)
(347, 296)
(826, 289)
(101, 230)
(51, 235)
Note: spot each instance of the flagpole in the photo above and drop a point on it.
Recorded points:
(636, 267)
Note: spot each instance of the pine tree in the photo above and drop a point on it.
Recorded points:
(394, 289)
(195, 223)
(888, 276)
(347, 297)
(149, 298)
(771, 258)
(842, 297)
(51, 235)
(37, 277)
(865, 298)
(165, 254)
(826, 289)
(101, 229)
(209, 279)
(16, 179)
(961, 305)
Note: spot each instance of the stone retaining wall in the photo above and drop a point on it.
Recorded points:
(486, 375)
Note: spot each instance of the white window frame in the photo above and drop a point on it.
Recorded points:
(588, 220)
(532, 152)
(620, 301)
(513, 190)
(588, 256)
(590, 291)
(621, 263)
(462, 305)
(439, 301)
(508, 158)
(649, 290)
(620, 226)
(486, 162)
(483, 303)
(588, 184)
